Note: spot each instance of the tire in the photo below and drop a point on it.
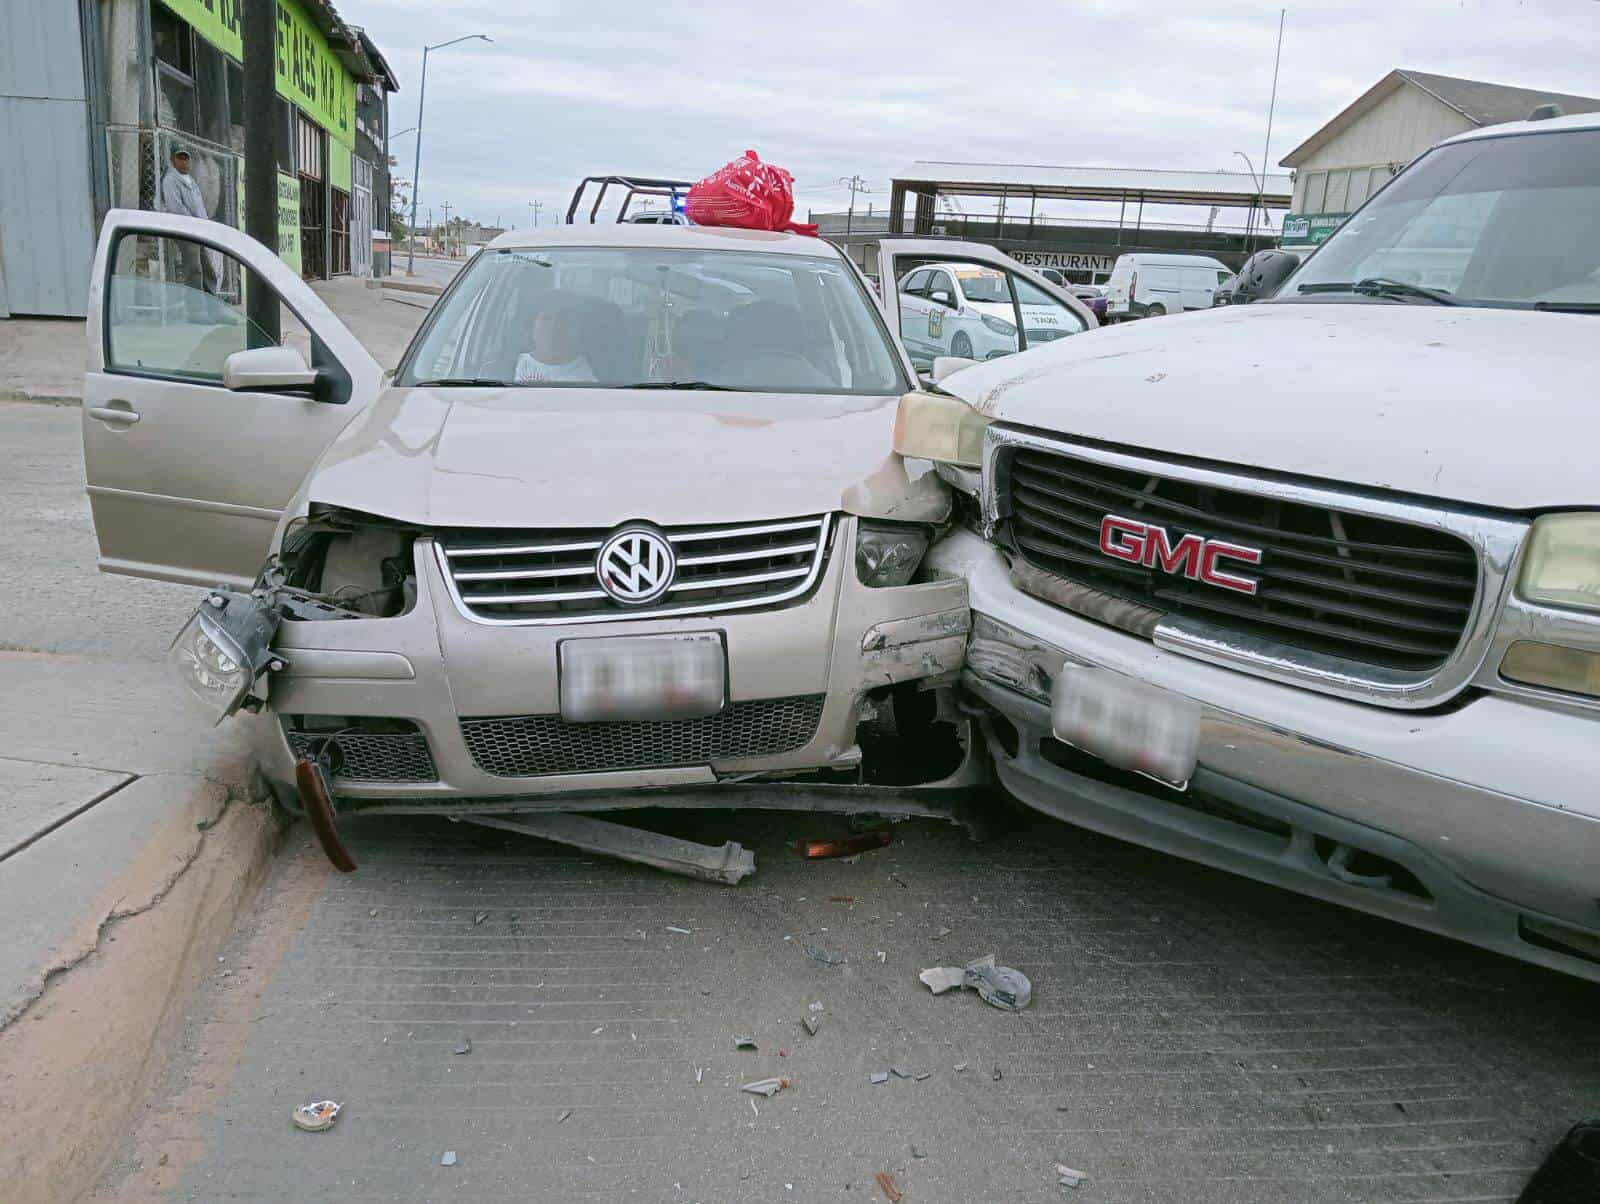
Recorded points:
(961, 346)
(1156, 311)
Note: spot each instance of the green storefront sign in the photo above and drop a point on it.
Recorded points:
(309, 74)
(1310, 229)
(289, 220)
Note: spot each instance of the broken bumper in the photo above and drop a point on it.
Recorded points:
(474, 710)
(1489, 806)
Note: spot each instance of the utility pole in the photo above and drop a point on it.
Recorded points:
(855, 184)
(533, 209)
(422, 95)
(259, 47)
(446, 208)
(1261, 193)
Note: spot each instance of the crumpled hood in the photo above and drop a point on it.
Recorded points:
(598, 457)
(1495, 408)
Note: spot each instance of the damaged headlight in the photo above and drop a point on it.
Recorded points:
(222, 649)
(888, 553)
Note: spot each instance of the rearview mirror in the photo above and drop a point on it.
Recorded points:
(267, 370)
(1265, 274)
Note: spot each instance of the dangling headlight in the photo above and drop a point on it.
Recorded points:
(221, 650)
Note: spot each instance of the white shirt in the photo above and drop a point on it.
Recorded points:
(531, 370)
(181, 194)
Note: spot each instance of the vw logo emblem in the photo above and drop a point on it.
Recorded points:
(635, 566)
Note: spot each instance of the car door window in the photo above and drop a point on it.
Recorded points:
(942, 290)
(1044, 319)
(177, 308)
(917, 284)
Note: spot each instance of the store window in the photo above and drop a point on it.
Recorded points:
(1316, 191)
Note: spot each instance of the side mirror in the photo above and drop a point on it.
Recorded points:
(941, 296)
(949, 365)
(1265, 273)
(267, 370)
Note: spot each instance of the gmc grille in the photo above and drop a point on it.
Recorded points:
(1365, 589)
(548, 576)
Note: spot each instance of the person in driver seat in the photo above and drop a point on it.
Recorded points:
(556, 355)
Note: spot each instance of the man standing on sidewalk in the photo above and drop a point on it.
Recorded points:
(180, 193)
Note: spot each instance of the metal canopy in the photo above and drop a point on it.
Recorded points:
(1154, 187)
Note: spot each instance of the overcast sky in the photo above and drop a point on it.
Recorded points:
(830, 89)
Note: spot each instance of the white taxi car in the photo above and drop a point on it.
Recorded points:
(973, 311)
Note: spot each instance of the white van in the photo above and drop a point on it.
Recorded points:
(1148, 286)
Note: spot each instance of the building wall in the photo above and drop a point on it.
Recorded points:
(1395, 131)
(46, 202)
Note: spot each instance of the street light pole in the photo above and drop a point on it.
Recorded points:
(416, 166)
(1250, 218)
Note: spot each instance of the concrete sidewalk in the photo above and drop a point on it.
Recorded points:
(42, 359)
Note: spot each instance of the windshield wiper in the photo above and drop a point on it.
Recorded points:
(461, 382)
(1569, 307)
(1381, 286)
(678, 384)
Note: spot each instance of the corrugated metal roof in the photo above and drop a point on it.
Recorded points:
(1478, 102)
(1097, 183)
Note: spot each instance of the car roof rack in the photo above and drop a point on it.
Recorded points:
(637, 186)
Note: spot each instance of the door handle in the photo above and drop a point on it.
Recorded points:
(116, 413)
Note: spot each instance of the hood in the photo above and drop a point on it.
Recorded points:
(1489, 407)
(576, 457)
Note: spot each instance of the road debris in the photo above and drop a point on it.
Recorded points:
(883, 956)
(900, 1072)
(1067, 1177)
(766, 1087)
(699, 1074)
(562, 1119)
(998, 986)
(314, 1118)
(917, 1151)
(887, 1184)
(812, 1023)
(480, 917)
(465, 1047)
(638, 934)
(448, 1158)
(998, 1074)
(850, 846)
(942, 933)
(744, 1042)
(725, 864)
(879, 1076)
(823, 956)
(841, 898)
(923, 1075)
(961, 1067)
(814, 1007)
(679, 931)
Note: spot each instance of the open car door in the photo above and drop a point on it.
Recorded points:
(975, 303)
(198, 427)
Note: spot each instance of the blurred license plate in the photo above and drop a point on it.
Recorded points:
(643, 677)
(1127, 723)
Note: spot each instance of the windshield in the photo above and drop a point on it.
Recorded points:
(1495, 221)
(985, 286)
(647, 316)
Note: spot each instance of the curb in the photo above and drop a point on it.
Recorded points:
(83, 1039)
(411, 286)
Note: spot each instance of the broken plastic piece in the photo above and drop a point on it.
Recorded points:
(1068, 1177)
(879, 1076)
(744, 1042)
(814, 1007)
(679, 931)
(766, 1087)
(823, 956)
(900, 1072)
(465, 1047)
(448, 1158)
(848, 847)
(566, 1112)
(314, 1118)
(726, 864)
(317, 804)
(812, 1023)
(887, 1183)
(999, 986)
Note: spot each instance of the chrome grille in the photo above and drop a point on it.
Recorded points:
(1356, 586)
(548, 576)
(364, 750)
(530, 745)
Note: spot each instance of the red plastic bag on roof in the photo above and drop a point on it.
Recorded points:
(746, 193)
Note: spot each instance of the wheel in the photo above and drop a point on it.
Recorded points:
(1156, 311)
(961, 346)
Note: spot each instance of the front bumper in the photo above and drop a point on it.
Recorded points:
(435, 667)
(1490, 804)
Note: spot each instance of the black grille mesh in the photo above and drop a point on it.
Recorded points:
(1366, 589)
(530, 745)
(397, 754)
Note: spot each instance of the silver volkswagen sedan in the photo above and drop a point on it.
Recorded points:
(627, 516)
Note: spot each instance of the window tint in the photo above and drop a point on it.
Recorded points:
(620, 318)
(177, 308)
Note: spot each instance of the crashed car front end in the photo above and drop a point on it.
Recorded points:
(417, 688)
